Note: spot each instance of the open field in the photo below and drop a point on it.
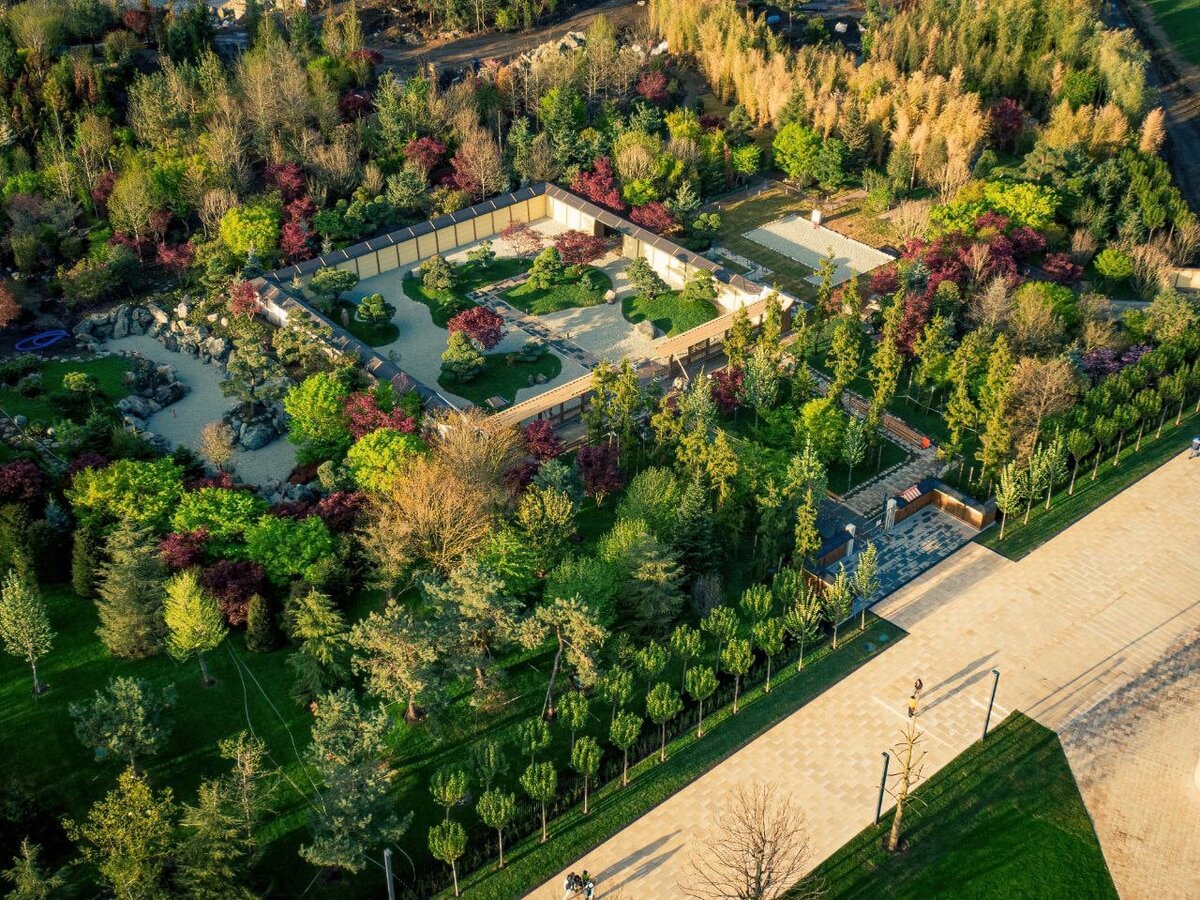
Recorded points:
(1180, 19)
(795, 237)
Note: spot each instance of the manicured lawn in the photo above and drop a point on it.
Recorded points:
(503, 379)
(669, 312)
(573, 294)
(1003, 820)
(471, 277)
(572, 834)
(108, 371)
(746, 215)
(372, 334)
(1180, 19)
(1067, 509)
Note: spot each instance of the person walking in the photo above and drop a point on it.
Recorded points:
(1195, 448)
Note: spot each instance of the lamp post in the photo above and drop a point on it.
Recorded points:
(882, 787)
(387, 868)
(987, 719)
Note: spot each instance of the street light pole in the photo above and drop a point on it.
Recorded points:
(995, 683)
(387, 868)
(882, 787)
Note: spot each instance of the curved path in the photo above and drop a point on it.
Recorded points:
(1096, 635)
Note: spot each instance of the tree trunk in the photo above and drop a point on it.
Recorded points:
(1096, 463)
(1161, 419)
(454, 872)
(1074, 472)
(835, 629)
(204, 676)
(625, 769)
(1049, 493)
(1117, 455)
(585, 795)
(737, 683)
(767, 689)
(500, 838)
(543, 822)
(662, 750)
(1138, 445)
(1179, 414)
(800, 661)
(894, 837)
(553, 675)
(1003, 522)
(700, 723)
(37, 685)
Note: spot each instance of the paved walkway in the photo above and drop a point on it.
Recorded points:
(869, 498)
(1095, 635)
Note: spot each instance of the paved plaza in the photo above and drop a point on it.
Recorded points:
(1095, 634)
(795, 237)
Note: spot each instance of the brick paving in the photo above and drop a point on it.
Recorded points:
(1095, 635)
(869, 498)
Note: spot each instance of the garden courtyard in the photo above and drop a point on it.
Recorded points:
(577, 324)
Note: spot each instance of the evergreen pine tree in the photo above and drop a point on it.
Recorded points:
(212, 852)
(130, 601)
(84, 562)
(693, 532)
(260, 627)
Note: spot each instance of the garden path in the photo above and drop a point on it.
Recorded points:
(1095, 634)
(182, 422)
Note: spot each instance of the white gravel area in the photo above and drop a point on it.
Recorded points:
(602, 330)
(419, 345)
(182, 422)
(794, 237)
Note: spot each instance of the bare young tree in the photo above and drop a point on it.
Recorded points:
(911, 757)
(758, 850)
(216, 443)
(478, 450)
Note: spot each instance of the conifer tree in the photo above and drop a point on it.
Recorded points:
(260, 626)
(692, 537)
(128, 837)
(319, 665)
(28, 879)
(84, 561)
(355, 810)
(194, 621)
(212, 853)
(128, 718)
(130, 594)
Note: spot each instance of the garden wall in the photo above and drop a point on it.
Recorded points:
(951, 501)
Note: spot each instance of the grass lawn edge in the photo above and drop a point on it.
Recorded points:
(572, 835)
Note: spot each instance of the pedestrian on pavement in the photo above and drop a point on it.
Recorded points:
(912, 706)
(1195, 448)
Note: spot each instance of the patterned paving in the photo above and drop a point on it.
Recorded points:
(914, 546)
(1095, 635)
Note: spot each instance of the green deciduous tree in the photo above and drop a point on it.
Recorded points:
(576, 633)
(496, 809)
(865, 581)
(194, 621)
(803, 622)
(722, 624)
(573, 711)
(24, 624)
(129, 719)
(686, 642)
(533, 736)
(449, 787)
(317, 421)
(461, 360)
(448, 842)
(585, 759)
(355, 811)
(838, 601)
(701, 682)
(623, 731)
(540, 782)
(768, 637)
(737, 657)
(662, 705)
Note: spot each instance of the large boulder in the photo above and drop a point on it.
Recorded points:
(136, 406)
(216, 347)
(255, 435)
(122, 319)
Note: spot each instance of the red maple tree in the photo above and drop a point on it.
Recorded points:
(480, 324)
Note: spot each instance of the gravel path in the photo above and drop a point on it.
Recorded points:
(182, 422)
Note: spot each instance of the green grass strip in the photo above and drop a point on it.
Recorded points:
(1004, 819)
(572, 835)
(1067, 509)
